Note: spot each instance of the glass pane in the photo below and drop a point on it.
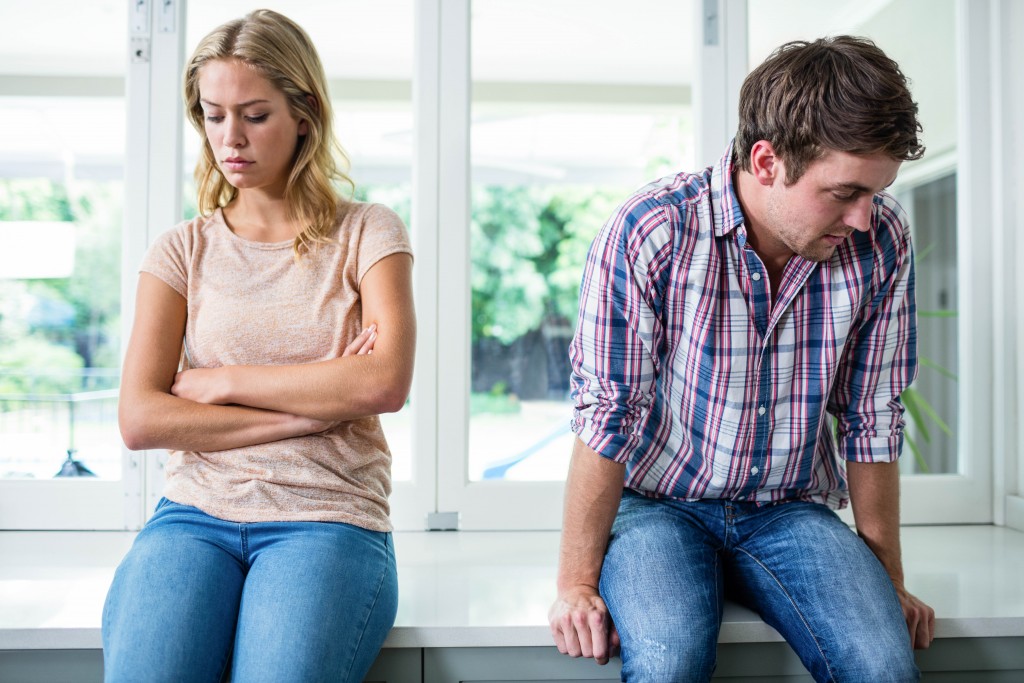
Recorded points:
(62, 122)
(926, 188)
(366, 49)
(575, 105)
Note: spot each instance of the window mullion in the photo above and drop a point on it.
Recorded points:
(453, 289)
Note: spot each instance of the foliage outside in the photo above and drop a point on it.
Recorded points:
(51, 329)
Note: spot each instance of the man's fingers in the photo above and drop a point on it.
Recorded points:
(572, 641)
(925, 628)
(920, 624)
(598, 627)
(582, 628)
(556, 633)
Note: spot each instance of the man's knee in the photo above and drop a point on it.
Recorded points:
(869, 664)
(657, 660)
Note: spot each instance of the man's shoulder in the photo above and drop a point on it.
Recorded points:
(890, 234)
(670, 198)
(680, 190)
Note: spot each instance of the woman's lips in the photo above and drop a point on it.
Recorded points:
(236, 164)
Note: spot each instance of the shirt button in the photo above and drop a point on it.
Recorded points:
(754, 470)
(760, 410)
(755, 277)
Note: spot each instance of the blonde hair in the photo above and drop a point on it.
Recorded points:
(282, 53)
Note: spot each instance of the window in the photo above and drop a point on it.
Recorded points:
(563, 130)
(62, 121)
(937, 462)
(573, 106)
(505, 133)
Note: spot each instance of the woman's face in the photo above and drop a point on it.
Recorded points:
(249, 125)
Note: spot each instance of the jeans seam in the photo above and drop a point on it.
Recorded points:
(369, 611)
(803, 620)
(243, 544)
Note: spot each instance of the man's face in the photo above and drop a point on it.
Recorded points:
(821, 210)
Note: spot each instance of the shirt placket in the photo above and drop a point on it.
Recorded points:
(760, 300)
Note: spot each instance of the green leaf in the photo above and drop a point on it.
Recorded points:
(928, 363)
(912, 399)
(923, 253)
(918, 458)
(930, 412)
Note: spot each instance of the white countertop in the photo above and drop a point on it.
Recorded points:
(487, 589)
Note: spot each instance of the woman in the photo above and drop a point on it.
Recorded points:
(271, 553)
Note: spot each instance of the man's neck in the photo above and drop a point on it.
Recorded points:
(773, 254)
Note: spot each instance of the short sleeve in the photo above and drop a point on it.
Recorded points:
(167, 259)
(382, 233)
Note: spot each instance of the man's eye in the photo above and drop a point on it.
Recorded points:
(845, 197)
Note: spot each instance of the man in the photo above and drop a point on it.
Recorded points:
(724, 316)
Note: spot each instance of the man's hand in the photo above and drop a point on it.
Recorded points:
(581, 625)
(920, 618)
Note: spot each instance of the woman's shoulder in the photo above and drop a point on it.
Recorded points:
(363, 215)
(193, 230)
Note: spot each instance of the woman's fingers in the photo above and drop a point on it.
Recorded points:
(363, 343)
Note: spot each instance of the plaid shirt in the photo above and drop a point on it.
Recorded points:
(685, 371)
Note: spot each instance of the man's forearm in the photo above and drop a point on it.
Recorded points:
(875, 495)
(593, 490)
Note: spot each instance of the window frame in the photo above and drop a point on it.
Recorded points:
(990, 482)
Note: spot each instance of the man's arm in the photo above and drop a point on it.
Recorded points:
(579, 618)
(875, 496)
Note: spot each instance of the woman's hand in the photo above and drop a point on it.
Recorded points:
(202, 385)
(212, 385)
(363, 343)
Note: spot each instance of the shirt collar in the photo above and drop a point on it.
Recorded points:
(723, 192)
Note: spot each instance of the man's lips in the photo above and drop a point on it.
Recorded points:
(836, 240)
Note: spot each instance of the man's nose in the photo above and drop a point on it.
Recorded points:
(858, 216)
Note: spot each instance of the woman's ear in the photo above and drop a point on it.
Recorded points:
(314, 106)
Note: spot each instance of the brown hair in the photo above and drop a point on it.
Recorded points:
(840, 93)
(282, 53)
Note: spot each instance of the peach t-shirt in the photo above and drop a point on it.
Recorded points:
(253, 303)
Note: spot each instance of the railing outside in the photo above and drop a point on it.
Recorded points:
(41, 429)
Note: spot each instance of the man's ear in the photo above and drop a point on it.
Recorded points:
(765, 164)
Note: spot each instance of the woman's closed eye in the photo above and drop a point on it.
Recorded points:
(259, 118)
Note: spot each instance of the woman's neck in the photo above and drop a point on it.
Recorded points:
(260, 218)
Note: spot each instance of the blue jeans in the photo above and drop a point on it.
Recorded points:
(271, 601)
(670, 563)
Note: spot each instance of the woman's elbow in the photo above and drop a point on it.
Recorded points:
(389, 398)
(392, 393)
(134, 438)
(134, 426)
(394, 401)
